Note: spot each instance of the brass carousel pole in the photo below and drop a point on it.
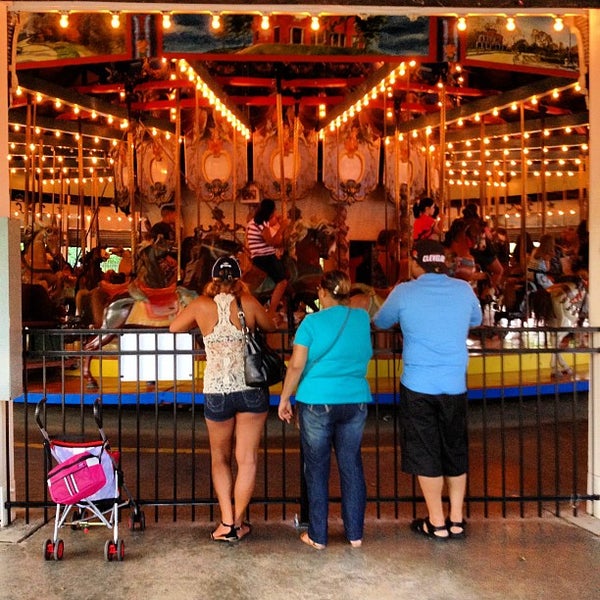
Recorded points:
(523, 257)
(131, 194)
(178, 182)
(281, 157)
(234, 181)
(28, 165)
(483, 208)
(296, 156)
(543, 170)
(444, 202)
(81, 190)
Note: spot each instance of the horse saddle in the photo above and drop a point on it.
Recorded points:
(159, 302)
(114, 290)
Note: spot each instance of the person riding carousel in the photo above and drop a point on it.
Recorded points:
(265, 237)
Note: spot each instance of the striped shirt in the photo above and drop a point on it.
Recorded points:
(256, 243)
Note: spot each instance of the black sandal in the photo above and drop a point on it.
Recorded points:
(239, 530)
(230, 537)
(456, 535)
(425, 528)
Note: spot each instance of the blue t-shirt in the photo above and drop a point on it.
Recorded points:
(435, 313)
(340, 377)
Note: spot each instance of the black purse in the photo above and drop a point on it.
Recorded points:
(263, 366)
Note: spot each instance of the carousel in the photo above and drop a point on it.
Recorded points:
(203, 118)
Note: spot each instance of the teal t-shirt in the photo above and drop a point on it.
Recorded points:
(340, 376)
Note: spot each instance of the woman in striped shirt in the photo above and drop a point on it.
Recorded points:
(264, 235)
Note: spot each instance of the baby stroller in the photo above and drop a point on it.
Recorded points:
(86, 483)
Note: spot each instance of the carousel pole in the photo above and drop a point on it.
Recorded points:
(543, 170)
(482, 182)
(523, 257)
(80, 189)
(234, 180)
(131, 193)
(28, 166)
(178, 182)
(281, 150)
(296, 156)
(444, 203)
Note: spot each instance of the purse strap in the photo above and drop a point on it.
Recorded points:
(327, 350)
(241, 316)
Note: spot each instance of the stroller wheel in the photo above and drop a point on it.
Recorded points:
(48, 549)
(59, 550)
(137, 517)
(120, 550)
(110, 550)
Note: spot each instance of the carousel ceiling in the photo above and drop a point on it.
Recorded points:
(74, 92)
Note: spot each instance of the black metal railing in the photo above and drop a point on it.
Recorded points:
(528, 411)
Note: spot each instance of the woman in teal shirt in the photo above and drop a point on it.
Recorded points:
(328, 366)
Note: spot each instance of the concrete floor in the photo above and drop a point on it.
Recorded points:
(544, 558)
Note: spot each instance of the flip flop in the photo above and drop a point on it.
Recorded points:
(426, 529)
(306, 539)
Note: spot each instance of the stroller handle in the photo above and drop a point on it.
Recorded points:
(98, 413)
(39, 408)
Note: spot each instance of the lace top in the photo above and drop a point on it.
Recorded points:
(224, 346)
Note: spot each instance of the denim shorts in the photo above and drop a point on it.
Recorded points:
(222, 407)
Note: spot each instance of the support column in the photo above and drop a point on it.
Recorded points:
(593, 507)
(10, 303)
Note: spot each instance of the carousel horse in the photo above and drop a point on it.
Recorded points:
(304, 271)
(152, 299)
(561, 305)
(198, 254)
(38, 260)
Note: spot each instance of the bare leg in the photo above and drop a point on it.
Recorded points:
(457, 487)
(432, 491)
(248, 431)
(277, 295)
(220, 434)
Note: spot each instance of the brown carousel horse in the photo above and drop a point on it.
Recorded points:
(151, 299)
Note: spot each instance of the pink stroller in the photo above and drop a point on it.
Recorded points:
(86, 483)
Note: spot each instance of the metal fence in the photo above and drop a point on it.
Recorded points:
(527, 408)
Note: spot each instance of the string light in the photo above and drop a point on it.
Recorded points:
(166, 21)
(264, 22)
(314, 23)
(215, 22)
(510, 24)
(461, 25)
(115, 21)
(558, 24)
(64, 20)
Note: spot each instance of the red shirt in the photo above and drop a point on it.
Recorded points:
(423, 227)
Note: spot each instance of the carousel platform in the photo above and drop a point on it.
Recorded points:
(134, 379)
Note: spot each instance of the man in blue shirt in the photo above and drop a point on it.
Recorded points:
(434, 312)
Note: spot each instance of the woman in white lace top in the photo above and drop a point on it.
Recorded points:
(233, 411)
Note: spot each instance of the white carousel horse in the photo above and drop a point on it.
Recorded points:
(36, 268)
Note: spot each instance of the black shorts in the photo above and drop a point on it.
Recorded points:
(272, 266)
(222, 407)
(433, 433)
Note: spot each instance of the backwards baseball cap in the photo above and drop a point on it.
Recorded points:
(226, 268)
(430, 256)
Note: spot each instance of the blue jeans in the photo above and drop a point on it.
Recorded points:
(323, 426)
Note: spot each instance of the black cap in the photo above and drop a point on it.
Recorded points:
(431, 256)
(226, 268)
